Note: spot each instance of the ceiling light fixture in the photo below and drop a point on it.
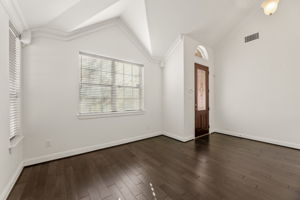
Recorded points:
(270, 6)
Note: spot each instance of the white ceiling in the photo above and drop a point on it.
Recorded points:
(156, 23)
(40, 12)
(205, 20)
(79, 13)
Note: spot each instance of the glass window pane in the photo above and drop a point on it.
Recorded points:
(109, 86)
(91, 63)
(90, 105)
(127, 69)
(129, 104)
(93, 91)
(136, 104)
(135, 70)
(120, 105)
(106, 92)
(135, 81)
(90, 91)
(120, 93)
(136, 93)
(201, 90)
(106, 105)
(106, 78)
(128, 80)
(106, 65)
(90, 76)
(119, 68)
(119, 79)
(128, 93)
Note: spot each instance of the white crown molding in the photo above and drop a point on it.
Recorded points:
(15, 14)
(46, 32)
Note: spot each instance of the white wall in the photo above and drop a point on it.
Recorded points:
(173, 91)
(51, 97)
(179, 88)
(10, 162)
(190, 46)
(257, 84)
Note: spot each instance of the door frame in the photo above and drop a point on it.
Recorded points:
(205, 68)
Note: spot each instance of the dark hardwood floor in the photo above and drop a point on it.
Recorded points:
(211, 168)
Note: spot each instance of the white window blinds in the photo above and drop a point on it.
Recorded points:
(109, 86)
(14, 81)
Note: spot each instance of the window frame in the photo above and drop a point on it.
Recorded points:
(109, 114)
(16, 136)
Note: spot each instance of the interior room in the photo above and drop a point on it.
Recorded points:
(149, 100)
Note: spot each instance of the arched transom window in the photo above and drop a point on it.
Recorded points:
(201, 52)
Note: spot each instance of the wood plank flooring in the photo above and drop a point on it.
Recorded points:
(211, 168)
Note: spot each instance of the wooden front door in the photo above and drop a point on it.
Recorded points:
(201, 100)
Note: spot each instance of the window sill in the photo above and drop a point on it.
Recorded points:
(14, 142)
(108, 115)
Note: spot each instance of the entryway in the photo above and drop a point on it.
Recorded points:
(201, 100)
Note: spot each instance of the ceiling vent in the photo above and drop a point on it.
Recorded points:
(252, 37)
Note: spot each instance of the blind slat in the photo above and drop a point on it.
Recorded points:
(14, 82)
(109, 85)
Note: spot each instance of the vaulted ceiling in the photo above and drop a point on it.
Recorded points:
(156, 23)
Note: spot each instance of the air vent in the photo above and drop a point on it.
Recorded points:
(252, 37)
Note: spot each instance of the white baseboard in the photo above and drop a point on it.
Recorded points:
(12, 182)
(74, 152)
(259, 139)
(177, 137)
(78, 151)
(82, 150)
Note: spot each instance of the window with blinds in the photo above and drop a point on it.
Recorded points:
(14, 81)
(109, 86)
